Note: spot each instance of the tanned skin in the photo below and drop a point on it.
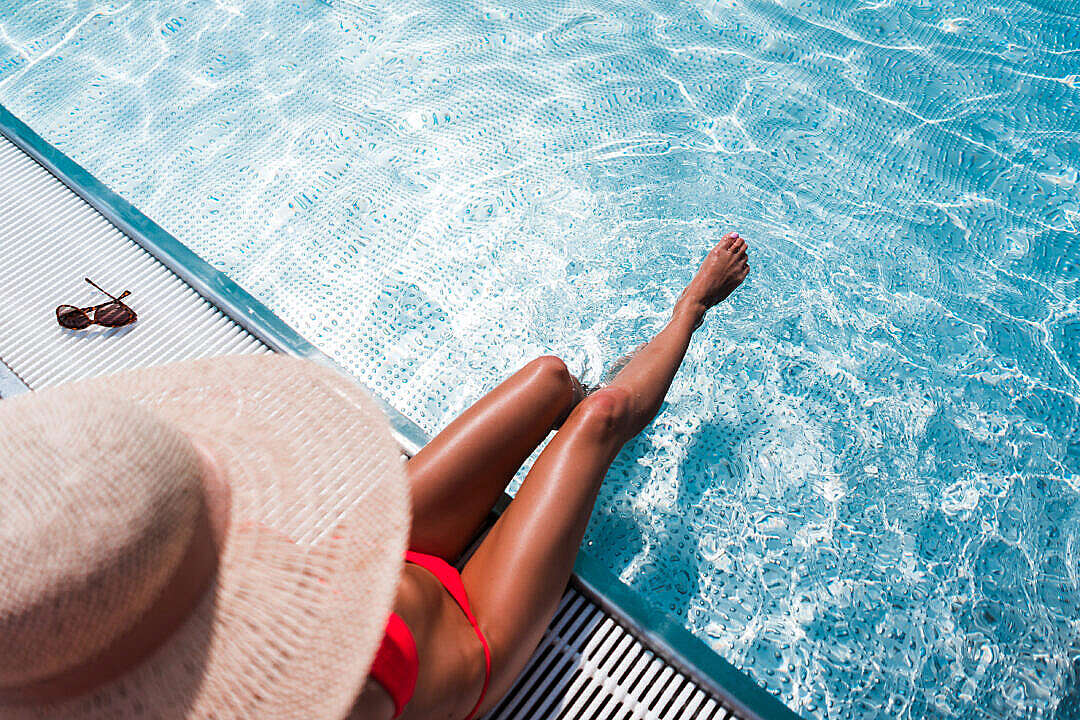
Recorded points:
(518, 574)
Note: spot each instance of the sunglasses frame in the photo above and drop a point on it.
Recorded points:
(89, 314)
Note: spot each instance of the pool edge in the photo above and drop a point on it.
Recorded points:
(694, 657)
(10, 383)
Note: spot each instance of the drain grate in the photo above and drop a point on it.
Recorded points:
(50, 239)
(590, 666)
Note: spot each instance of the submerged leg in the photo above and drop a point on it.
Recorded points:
(518, 574)
(457, 477)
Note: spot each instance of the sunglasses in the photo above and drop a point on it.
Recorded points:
(111, 314)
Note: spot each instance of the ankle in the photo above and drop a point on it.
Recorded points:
(690, 311)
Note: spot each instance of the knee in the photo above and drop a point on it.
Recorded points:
(552, 373)
(607, 411)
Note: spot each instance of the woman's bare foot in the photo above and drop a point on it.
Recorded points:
(722, 270)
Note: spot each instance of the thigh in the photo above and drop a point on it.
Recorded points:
(518, 574)
(458, 476)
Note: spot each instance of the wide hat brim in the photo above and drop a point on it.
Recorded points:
(318, 526)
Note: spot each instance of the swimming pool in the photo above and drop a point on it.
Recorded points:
(863, 490)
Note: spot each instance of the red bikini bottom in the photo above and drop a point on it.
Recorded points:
(396, 664)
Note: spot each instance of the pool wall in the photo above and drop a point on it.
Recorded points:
(686, 651)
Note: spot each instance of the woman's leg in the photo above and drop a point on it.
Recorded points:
(518, 574)
(457, 477)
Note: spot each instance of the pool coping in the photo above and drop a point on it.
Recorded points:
(10, 383)
(684, 650)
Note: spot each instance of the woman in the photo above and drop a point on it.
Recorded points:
(454, 646)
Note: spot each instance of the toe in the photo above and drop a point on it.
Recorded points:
(728, 239)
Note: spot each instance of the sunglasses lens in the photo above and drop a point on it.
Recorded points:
(114, 315)
(72, 317)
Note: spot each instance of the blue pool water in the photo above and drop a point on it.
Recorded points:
(865, 487)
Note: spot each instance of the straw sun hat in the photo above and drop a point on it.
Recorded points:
(212, 539)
